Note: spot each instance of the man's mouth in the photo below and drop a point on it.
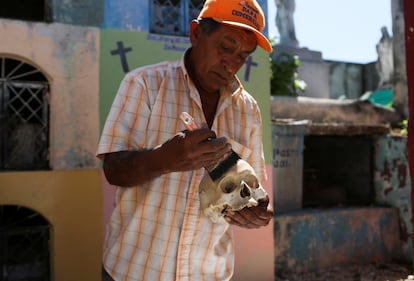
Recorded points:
(221, 77)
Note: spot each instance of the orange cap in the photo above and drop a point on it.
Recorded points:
(242, 13)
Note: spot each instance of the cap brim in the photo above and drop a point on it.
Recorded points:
(261, 39)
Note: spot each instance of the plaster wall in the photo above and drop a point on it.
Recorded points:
(71, 202)
(69, 196)
(69, 57)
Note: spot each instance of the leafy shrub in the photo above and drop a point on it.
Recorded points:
(284, 77)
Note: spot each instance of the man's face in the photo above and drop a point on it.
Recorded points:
(217, 57)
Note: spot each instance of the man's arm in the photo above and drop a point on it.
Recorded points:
(184, 152)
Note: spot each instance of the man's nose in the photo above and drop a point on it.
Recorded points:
(229, 67)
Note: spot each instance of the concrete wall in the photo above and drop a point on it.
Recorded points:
(71, 202)
(69, 196)
(386, 223)
(393, 184)
(69, 57)
(310, 240)
(84, 12)
(331, 79)
(351, 80)
(312, 69)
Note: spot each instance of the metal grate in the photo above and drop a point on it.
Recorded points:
(172, 17)
(24, 245)
(24, 116)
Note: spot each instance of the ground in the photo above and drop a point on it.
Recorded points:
(371, 272)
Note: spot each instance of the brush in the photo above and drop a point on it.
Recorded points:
(218, 170)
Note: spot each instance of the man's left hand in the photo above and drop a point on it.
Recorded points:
(252, 217)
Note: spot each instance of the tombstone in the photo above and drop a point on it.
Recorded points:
(313, 70)
(285, 23)
(385, 63)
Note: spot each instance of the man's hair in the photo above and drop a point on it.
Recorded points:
(208, 25)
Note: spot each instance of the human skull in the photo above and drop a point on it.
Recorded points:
(236, 189)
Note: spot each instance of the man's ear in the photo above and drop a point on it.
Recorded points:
(194, 32)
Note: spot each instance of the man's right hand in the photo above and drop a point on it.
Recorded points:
(191, 150)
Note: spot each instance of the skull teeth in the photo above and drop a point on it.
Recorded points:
(225, 209)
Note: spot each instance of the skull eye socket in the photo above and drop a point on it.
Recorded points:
(252, 181)
(228, 187)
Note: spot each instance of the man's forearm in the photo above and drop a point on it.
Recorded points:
(130, 168)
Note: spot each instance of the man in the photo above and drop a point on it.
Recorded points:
(157, 230)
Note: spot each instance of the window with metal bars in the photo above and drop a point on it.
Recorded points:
(24, 116)
(172, 17)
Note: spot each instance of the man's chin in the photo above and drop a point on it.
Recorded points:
(214, 87)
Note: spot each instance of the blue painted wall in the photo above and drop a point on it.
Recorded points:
(310, 240)
(135, 15)
(127, 15)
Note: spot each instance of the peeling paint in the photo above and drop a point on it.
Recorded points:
(402, 175)
(323, 238)
(393, 185)
(328, 237)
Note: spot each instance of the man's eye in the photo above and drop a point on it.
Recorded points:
(225, 48)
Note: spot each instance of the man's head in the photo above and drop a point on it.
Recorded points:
(224, 35)
(239, 13)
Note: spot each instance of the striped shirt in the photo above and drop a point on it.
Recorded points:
(157, 230)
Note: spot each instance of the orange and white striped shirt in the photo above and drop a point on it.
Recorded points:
(157, 230)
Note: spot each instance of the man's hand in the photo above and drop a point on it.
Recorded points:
(252, 217)
(192, 150)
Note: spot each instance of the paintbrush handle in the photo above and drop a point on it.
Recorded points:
(218, 169)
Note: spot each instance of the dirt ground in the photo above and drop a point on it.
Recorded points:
(371, 272)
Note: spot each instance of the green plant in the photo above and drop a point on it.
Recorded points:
(404, 127)
(284, 77)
